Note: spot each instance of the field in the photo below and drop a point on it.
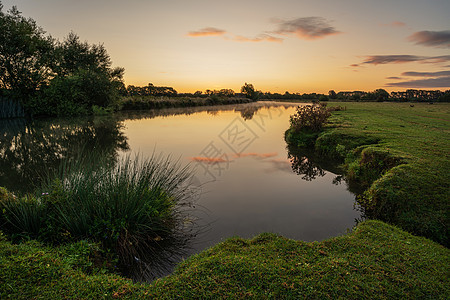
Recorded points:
(414, 194)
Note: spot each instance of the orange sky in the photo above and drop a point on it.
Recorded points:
(278, 46)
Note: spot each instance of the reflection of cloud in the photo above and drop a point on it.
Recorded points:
(258, 155)
(426, 74)
(207, 31)
(398, 59)
(309, 28)
(395, 24)
(441, 82)
(259, 38)
(279, 164)
(439, 39)
(209, 160)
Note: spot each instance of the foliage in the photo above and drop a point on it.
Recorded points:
(150, 90)
(249, 91)
(150, 102)
(50, 77)
(310, 118)
(127, 208)
(376, 260)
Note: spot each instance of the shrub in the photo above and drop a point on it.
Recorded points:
(310, 117)
(130, 208)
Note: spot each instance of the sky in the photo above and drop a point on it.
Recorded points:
(277, 45)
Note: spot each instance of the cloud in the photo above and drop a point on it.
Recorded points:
(395, 24)
(441, 82)
(308, 28)
(259, 38)
(207, 31)
(440, 39)
(259, 155)
(398, 59)
(393, 77)
(209, 160)
(427, 74)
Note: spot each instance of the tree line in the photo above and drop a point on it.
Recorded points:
(41, 75)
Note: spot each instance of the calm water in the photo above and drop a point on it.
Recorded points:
(250, 182)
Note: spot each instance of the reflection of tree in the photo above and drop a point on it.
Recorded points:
(311, 165)
(302, 165)
(248, 112)
(30, 149)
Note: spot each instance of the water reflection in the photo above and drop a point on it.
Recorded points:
(255, 190)
(30, 148)
(160, 257)
(309, 165)
(247, 111)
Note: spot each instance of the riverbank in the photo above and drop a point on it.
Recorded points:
(376, 260)
(151, 102)
(399, 153)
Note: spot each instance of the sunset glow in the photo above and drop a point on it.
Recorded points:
(278, 46)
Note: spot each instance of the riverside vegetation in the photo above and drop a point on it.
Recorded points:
(375, 260)
(398, 153)
(130, 209)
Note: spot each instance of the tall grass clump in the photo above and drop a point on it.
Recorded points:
(133, 208)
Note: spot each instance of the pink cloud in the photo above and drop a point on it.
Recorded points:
(259, 38)
(207, 31)
(395, 24)
(258, 155)
(209, 160)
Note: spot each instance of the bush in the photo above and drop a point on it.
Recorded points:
(310, 118)
(130, 207)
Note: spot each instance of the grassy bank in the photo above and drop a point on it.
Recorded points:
(399, 152)
(374, 261)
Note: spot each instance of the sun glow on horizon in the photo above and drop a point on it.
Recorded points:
(284, 45)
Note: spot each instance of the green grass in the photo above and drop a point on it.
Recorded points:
(400, 154)
(375, 261)
(132, 208)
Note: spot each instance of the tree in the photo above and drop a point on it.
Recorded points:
(332, 94)
(72, 55)
(51, 77)
(26, 55)
(249, 91)
(381, 94)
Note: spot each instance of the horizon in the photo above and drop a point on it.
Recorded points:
(287, 45)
